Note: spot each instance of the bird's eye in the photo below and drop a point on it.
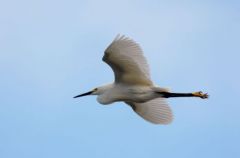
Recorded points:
(95, 89)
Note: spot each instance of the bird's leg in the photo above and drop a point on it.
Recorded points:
(194, 94)
(200, 94)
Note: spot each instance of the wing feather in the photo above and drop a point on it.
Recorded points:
(126, 59)
(155, 111)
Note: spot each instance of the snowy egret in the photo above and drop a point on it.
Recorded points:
(133, 84)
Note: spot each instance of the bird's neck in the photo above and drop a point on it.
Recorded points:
(104, 88)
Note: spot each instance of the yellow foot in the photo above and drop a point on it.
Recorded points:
(201, 95)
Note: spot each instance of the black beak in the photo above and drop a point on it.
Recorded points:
(84, 94)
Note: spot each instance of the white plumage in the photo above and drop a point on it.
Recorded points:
(156, 111)
(133, 84)
(127, 61)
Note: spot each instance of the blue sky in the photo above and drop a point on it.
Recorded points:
(51, 51)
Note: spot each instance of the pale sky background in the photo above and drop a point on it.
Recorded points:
(51, 51)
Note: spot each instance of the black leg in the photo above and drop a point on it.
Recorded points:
(195, 94)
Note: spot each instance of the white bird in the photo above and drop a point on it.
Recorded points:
(133, 84)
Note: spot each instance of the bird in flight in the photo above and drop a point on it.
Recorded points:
(133, 84)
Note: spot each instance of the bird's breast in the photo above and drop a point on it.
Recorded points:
(105, 99)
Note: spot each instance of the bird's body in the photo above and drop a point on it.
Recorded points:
(133, 84)
(128, 93)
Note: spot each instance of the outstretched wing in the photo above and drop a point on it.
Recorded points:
(127, 61)
(155, 111)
